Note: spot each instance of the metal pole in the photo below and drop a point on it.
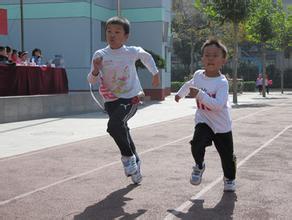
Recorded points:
(118, 8)
(21, 26)
(90, 28)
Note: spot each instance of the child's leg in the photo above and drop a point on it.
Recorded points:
(120, 112)
(260, 89)
(133, 147)
(224, 145)
(203, 136)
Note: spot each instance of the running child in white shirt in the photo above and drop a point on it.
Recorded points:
(212, 119)
(114, 68)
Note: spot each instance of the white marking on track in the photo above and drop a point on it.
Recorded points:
(102, 167)
(189, 203)
(67, 144)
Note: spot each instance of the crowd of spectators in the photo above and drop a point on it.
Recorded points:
(9, 56)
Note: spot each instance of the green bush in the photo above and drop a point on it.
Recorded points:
(239, 86)
(249, 86)
(243, 86)
(175, 86)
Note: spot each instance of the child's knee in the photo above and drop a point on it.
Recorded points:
(113, 127)
(196, 146)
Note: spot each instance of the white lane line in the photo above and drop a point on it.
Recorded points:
(254, 113)
(189, 203)
(99, 168)
(65, 145)
(82, 174)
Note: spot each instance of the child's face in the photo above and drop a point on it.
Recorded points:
(3, 53)
(37, 54)
(24, 57)
(115, 35)
(213, 59)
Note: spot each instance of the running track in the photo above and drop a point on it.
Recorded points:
(84, 180)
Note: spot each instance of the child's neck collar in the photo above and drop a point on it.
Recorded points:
(212, 75)
(116, 48)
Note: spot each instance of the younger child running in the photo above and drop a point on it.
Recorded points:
(114, 68)
(212, 119)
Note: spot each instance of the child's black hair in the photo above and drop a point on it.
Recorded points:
(217, 43)
(8, 49)
(2, 48)
(120, 21)
(36, 50)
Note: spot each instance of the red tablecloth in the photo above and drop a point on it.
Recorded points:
(32, 80)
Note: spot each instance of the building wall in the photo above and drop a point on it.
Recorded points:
(73, 29)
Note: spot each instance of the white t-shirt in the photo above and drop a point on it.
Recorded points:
(213, 106)
(118, 76)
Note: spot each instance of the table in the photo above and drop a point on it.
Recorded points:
(32, 80)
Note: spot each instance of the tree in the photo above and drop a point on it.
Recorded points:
(187, 26)
(266, 27)
(286, 42)
(231, 11)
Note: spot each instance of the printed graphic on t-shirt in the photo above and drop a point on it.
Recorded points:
(202, 106)
(104, 91)
(116, 77)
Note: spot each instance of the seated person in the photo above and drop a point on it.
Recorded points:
(36, 57)
(23, 58)
(8, 52)
(3, 55)
(14, 56)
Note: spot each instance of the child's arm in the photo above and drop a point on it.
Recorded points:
(96, 65)
(155, 80)
(147, 60)
(184, 90)
(214, 103)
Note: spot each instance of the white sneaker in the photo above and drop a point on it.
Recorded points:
(197, 173)
(137, 177)
(130, 165)
(229, 185)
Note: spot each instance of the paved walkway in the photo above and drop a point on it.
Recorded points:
(28, 136)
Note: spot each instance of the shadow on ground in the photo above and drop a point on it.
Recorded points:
(111, 207)
(223, 210)
(251, 105)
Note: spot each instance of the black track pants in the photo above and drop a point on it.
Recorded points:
(203, 137)
(120, 111)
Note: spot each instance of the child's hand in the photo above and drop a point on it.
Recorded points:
(155, 80)
(177, 98)
(97, 65)
(194, 92)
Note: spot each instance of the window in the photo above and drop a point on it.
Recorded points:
(102, 31)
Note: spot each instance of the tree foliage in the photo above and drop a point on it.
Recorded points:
(266, 24)
(287, 38)
(228, 11)
(225, 10)
(188, 28)
(267, 27)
